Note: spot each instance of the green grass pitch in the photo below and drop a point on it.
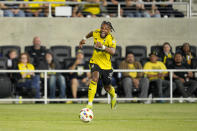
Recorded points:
(127, 117)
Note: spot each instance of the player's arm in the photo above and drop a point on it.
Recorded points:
(83, 41)
(110, 50)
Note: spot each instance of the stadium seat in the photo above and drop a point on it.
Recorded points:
(61, 52)
(118, 53)
(27, 48)
(88, 50)
(5, 83)
(5, 49)
(194, 63)
(193, 49)
(138, 50)
(156, 48)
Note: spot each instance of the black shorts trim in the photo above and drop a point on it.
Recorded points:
(105, 75)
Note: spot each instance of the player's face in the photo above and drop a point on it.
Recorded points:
(104, 30)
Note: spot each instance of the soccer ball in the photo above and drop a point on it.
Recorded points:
(86, 115)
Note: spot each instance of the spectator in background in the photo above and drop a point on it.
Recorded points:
(28, 79)
(162, 85)
(12, 61)
(12, 10)
(77, 9)
(50, 64)
(187, 54)
(37, 52)
(133, 10)
(133, 80)
(151, 10)
(166, 10)
(166, 53)
(183, 79)
(34, 9)
(79, 79)
(94, 8)
(112, 9)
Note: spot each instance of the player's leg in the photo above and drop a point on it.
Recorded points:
(106, 79)
(92, 88)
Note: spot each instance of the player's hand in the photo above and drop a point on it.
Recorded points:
(81, 43)
(98, 45)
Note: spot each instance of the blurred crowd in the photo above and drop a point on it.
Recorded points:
(94, 8)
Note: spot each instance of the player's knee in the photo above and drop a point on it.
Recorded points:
(107, 88)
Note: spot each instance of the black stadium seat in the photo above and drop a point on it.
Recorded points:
(192, 47)
(5, 83)
(138, 50)
(5, 49)
(61, 52)
(27, 48)
(87, 49)
(118, 53)
(156, 48)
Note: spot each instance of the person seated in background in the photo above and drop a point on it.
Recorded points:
(183, 79)
(28, 79)
(94, 8)
(112, 9)
(151, 10)
(166, 10)
(34, 9)
(12, 60)
(77, 9)
(187, 54)
(133, 80)
(162, 85)
(166, 53)
(50, 64)
(12, 10)
(133, 10)
(79, 79)
(37, 52)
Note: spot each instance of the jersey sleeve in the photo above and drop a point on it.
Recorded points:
(95, 32)
(112, 42)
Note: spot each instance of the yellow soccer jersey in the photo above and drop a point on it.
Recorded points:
(154, 66)
(132, 74)
(99, 57)
(29, 66)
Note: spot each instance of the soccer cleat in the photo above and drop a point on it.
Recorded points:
(113, 102)
(89, 106)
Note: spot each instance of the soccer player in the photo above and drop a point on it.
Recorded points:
(100, 63)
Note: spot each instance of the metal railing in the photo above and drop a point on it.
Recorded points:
(46, 99)
(187, 4)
